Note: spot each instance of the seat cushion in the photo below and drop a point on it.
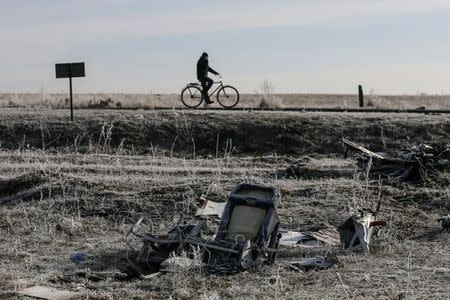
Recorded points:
(246, 221)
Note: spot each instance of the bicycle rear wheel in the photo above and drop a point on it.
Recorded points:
(191, 96)
(228, 96)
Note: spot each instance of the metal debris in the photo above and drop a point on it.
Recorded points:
(351, 145)
(421, 163)
(298, 239)
(248, 233)
(157, 248)
(445, 222)
(211, 208)
(327, 235)
(315, 263)
(356, 231)
(43, 292)
(78, 258)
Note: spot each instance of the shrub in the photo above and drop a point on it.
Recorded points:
(269, 99)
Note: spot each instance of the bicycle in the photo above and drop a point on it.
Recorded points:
(226, 95)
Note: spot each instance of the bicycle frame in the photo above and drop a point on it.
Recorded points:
(217, 88)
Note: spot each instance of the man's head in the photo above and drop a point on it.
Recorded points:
(204, 54)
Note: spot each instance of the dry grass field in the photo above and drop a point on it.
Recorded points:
(68, 188)
(263, 99)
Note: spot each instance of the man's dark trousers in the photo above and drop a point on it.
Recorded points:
(206, 85)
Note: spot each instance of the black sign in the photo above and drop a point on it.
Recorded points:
(70, 70)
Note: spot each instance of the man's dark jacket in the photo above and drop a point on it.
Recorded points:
(203, 67)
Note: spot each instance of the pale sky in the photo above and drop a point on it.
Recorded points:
(143, 46)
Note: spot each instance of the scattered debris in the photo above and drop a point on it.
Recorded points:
(157, 248)
(445, 222)
(316, 263)
(78, 258)
(421, 163)
(350, 145)
(298, 239)
(248, 233)
(356, 231)
(327, 235)
(210, 208)
(43, 292)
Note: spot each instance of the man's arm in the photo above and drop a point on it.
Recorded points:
(213, 71)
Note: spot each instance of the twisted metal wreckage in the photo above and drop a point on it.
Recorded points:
(419, 164)
(249, 233)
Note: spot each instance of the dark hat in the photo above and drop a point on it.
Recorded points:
(204, 54)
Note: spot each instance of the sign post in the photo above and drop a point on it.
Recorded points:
(69, 70)
(360, 96)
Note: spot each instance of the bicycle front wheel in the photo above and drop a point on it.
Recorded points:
(191, 96)
(228, 96)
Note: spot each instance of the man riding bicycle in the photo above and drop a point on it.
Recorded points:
(202, 75)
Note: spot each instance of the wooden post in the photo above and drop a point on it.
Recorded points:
(71, 99)
(361, 96)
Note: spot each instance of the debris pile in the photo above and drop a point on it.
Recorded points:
(421, 163)
(248, 233)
